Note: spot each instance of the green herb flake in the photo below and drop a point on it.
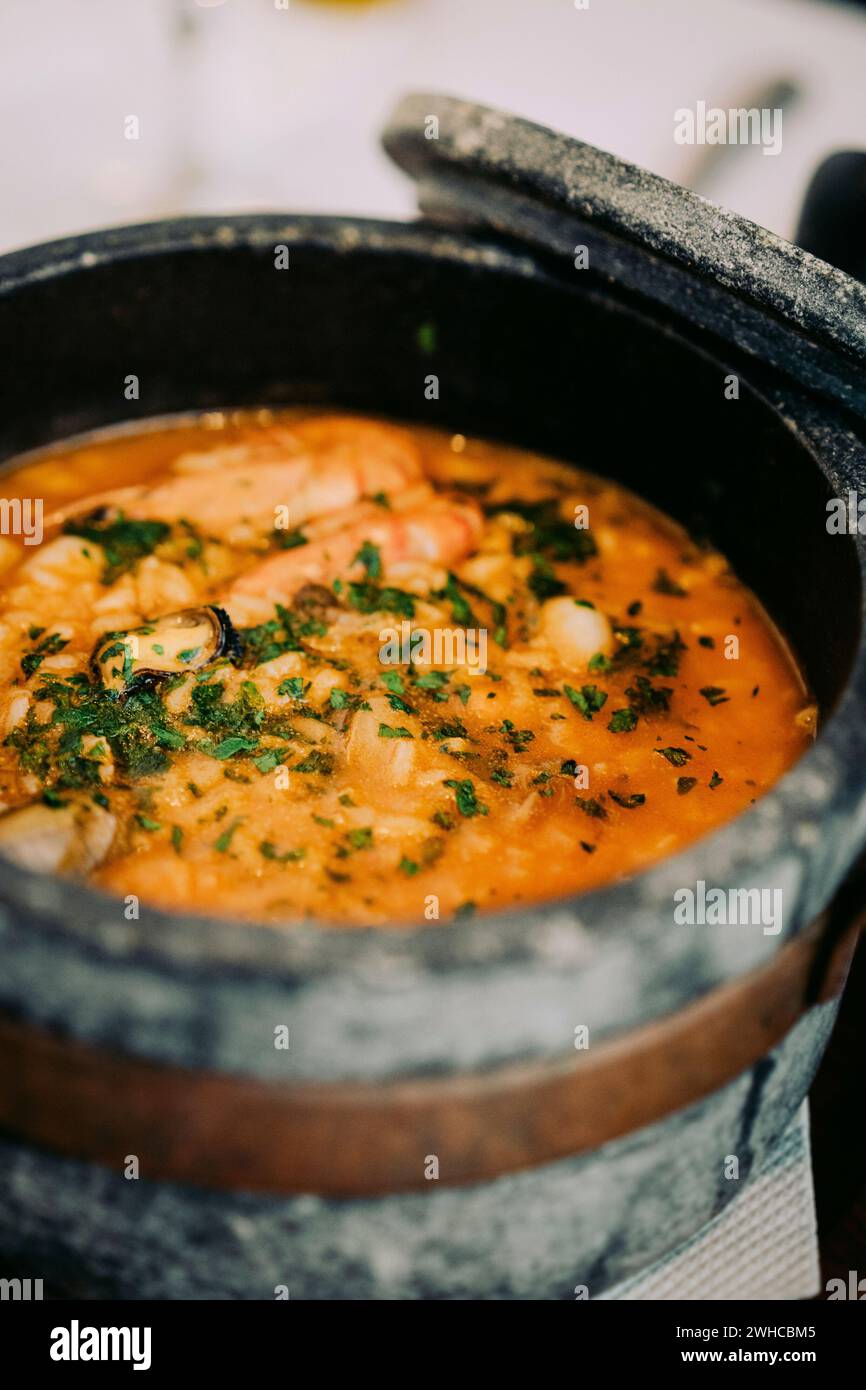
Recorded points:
(290, 856)
(677, 757)
(425, 337)
(370, 598)
(628, 802)
(124, 542)
(646, 698)
(714, 694)
(464, 793)
(286, 539)
(622, 721)
(316, 761)
(663, 584)
(600, 662)
(370, 557)
(294, 686)
(589, 699)
(228, 747)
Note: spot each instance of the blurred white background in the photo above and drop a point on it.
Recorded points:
(243, 105)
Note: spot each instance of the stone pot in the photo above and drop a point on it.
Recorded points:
(432, 1131)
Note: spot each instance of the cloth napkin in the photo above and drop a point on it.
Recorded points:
(762, 1246)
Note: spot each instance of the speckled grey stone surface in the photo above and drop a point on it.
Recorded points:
(590, 1220)
(416, 1000)
(486, 168)
(419, 1000)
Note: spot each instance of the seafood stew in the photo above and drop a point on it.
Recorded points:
(296, 665)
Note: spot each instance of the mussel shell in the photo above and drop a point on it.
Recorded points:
(171, 645)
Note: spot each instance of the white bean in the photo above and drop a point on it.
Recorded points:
(575, 633)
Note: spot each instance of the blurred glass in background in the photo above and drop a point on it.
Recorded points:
(253, 104)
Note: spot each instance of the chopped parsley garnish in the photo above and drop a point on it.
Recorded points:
(461, 610)
(715, 781)
(228, 747)
(398, 703)
(295, 686)
(450, 729)
(629, 802)
(589, 699)
(591, 807)
(135, 729)
(49, 646)
(665, 661)
(622, 721)
(124, 541)
(646, 698)
(600, 662)
(663, 584)
(316, 761)
(677, 757)
(714, 694)
(685, 784)
(269, 851)
(549, 534)
(434, 682)
(518, 738)
(464, 793)
(270, 639)
(391, 731)
(543, 581)
(370, 598)
(225, 838)
(371, 558)
(289, 540)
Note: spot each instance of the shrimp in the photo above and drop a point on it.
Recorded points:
(246, 499)
(443, 532)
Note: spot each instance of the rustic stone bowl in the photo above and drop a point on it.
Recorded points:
(432, 1131)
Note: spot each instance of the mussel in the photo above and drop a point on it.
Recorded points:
(67, 835)
(176, 642)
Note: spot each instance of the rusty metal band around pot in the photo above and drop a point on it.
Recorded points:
(235, 1133)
